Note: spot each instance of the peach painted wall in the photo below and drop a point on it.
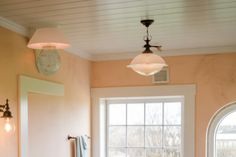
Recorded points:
(47, 111)
(17, 59)
(214, 75)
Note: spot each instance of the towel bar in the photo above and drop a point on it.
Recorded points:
(73, 138)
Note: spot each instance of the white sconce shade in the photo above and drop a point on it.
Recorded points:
(9, 125)
(48, 38)
(147, 64)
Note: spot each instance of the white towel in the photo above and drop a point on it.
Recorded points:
(81, 146)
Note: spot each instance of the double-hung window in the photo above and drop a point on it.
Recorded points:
(144, 127)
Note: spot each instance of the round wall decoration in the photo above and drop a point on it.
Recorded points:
(47, 61)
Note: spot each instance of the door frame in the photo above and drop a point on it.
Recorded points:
(28, 85)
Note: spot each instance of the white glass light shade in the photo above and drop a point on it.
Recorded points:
(9, 125)
(147, 64)
(48, 38)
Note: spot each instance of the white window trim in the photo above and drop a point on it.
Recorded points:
(213, 124)
(100, 95)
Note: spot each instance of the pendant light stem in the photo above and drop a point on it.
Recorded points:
(147, 39)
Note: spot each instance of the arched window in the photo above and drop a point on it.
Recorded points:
(221, 135)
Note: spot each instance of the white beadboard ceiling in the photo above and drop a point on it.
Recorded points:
(111, 29)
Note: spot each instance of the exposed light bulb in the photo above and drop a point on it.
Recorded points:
(8, 126)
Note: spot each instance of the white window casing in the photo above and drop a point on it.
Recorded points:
(101, 95)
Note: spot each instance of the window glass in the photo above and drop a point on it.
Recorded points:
(117, 136)
(153, 136)
(154, 152)
(117, 115)
(135, 114)
(153, 113)
(172, 111)
(135, 136)
(226, 137)
(144, 129)
(172, 136)
(117, 152)
(136, 152)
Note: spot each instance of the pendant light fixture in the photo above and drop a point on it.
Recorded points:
(147, 63)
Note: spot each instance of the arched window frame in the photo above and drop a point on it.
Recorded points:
(213, 125)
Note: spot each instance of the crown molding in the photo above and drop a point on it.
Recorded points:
(14, 26)
(119, 56)
(8, 24)
(174, 52)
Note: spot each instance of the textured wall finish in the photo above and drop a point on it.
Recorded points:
(214, 75)
(16, 59)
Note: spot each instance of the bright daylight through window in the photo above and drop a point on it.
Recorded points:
(226, 137)
(144, 129)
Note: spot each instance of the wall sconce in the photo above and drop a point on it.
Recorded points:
(9, 125)
(48, 38)
(47, 42)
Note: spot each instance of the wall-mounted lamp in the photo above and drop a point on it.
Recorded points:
(47, 42)
(48, 38)
(9, 125)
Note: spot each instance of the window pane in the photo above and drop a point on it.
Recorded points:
(117, 114)
(154, 113)
(171, 153)
(135, 136)
(135, 114)
(172, 113)
(117, 136)
(226, 137)
(172, 136)
(153, 152)
(225, 148)
(135, 152)
(153, 136)
(117, 152)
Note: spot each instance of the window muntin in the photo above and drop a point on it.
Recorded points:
(151, 129)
